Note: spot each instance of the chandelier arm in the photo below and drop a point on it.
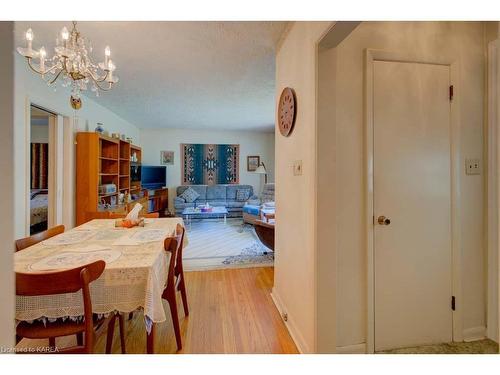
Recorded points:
(96, 79)
(48, 71)
(32, 67)
(56, 77)
(98, 84)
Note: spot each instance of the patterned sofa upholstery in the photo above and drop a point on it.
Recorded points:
(215, 195)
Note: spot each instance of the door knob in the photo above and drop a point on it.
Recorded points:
(382, 220)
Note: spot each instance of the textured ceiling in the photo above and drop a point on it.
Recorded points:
(202, 75)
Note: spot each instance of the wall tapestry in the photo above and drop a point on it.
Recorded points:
(210, 164)
(39, 165)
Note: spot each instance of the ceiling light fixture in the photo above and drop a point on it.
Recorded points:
(72, 63)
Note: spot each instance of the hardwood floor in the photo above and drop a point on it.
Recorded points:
(230, 311)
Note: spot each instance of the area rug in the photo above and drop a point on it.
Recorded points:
(474, 347)
(215, 245)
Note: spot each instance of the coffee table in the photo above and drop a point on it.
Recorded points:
(190, 212)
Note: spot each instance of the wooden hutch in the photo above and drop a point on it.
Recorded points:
(105, 160)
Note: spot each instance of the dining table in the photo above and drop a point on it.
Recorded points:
(134, 277)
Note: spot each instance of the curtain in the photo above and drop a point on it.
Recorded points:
(39, 165)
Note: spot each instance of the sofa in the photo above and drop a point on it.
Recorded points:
(214, 195)
(253, 208)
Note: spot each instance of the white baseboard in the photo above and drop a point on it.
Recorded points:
(474, 334)
(290, 325)
(351, 349)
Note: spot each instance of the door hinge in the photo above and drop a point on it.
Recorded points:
(453, 303)
(451, 93)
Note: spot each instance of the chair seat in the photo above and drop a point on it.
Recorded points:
(39, 330)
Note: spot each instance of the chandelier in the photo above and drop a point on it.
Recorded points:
(71, 63)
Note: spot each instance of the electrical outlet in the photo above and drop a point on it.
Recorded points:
(297, 168)
(472, 166)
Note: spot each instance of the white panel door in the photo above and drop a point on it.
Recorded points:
(412, 189)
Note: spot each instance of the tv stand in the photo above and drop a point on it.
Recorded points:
(158, 201)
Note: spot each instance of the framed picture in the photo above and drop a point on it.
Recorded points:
(166, 157)
(253, 163)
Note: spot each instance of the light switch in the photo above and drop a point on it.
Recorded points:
(472, 166)
(297, 168)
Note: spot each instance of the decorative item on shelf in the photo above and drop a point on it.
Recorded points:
(121, 198)
(262, 170)
(107, 189)
(115, 135)
(99, 129)
(105, 133)
(253, 163)
(287, 111)
(134, 157)
(112, 200)
(129, 139)
(103, 204)
(167, 157)
(123, 136)
(72, 63)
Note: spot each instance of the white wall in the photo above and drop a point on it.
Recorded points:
(7, 184)
(251, 143)
(463, 41)
(39, 133)
(29, 88)
(295, 270)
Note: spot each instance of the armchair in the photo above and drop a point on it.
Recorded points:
(253, 208)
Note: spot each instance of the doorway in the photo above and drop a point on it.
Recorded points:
(412, 235)
(41, 205)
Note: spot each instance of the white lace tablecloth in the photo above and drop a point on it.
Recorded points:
(133, 278)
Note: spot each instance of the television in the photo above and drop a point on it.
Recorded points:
(153, 177)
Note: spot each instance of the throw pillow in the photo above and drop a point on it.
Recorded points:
(242, 194)
(189, 195)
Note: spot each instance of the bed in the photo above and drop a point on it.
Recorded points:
(39, 204)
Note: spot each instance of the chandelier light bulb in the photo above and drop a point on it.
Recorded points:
(65, 33)
(29, 35)
(42, 54)
(107, 53)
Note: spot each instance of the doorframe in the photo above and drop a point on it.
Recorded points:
(372, 55)
(493, 185)
(55, 208)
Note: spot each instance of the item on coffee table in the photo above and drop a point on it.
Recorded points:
(206, 208)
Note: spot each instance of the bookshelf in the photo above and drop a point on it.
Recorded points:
(103, 160)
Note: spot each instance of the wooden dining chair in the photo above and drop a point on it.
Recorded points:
(23, 243)
(61, 282)
(171, 244)
(174, 246)
(180, 284)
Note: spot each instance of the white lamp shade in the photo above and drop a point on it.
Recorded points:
(261, 169)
